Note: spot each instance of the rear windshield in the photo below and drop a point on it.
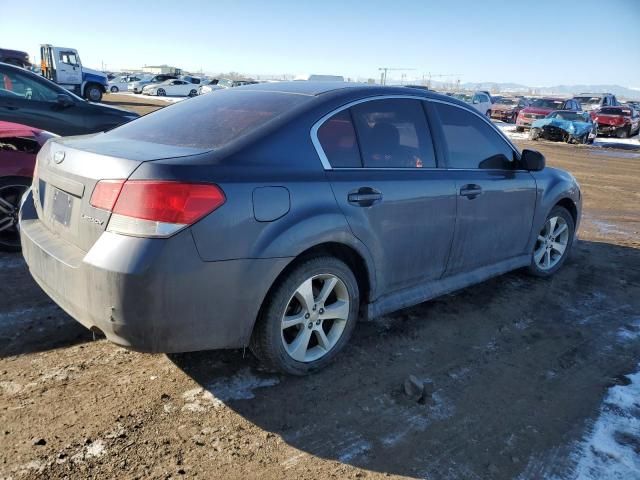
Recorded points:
(546, 103)
(210, 121)
(616, 111)
(588, 100)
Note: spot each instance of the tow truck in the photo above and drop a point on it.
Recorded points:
(63, 66)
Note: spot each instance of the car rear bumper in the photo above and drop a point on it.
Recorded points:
(150, 295)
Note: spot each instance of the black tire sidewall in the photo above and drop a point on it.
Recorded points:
(5, 181)
(556, 211)
(271, 349)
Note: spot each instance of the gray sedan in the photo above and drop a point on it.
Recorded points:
(275, 216)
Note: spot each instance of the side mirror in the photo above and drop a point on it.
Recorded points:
(64, 100)
(532, 160)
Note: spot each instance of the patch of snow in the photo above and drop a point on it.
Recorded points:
(354, 450)
(240, 386)
(509, 129)
(96, 449)
(630, 331)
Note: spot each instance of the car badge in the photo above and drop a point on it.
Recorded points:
(58, 157)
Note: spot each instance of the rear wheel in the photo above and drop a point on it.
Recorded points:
(308, 317)
(624, 132)
(193, 93)
(11, 191)
(553, 243)
(114, 89)
(161, 92)
(488, 114)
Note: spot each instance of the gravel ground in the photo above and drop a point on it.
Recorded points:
(520, 372)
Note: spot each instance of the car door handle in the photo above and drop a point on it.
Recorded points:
(364, 196)
(470, 191)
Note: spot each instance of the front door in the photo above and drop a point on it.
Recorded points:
(386, 181)
(495, 200)
(68, 68)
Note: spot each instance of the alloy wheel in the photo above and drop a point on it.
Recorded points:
(551, 243)
(315, 317)
(10, 196)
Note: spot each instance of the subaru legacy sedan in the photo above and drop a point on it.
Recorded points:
(275, 216)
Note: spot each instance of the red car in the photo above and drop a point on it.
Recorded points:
(622, 122)
(19, 146)
(541, 107)
(507, 108)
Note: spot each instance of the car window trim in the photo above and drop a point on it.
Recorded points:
(324, 160)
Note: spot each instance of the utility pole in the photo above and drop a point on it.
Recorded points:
(384, 70)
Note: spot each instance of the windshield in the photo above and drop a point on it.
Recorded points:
(210, 121)
(571, 116)
(548, 103)
(589, 100)
(507, 101)
(462, 96)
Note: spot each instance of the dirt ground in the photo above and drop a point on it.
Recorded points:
(519, 368)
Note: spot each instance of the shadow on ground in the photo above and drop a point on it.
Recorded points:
(518, 365)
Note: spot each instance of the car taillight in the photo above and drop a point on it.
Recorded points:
(152, 208)
(106, 193)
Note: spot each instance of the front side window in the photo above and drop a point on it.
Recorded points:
(18, 85)
(69, 58)
(338, 140)
(471, 142)
(393, 133)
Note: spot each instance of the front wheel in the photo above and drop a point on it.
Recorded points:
(193, 93)
(519, 129)
(488, 114)
(161, 92)
(534, 134)
(93, 93)
(114, 89)
(308, 317)
(553, 243)
(624, 132)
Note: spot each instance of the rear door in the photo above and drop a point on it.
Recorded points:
(495, 200)
(383, 171)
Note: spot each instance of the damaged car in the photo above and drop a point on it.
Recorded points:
(507, 108)
(623, 122)
(565, 125)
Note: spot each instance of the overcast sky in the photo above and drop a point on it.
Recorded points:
(540, 43)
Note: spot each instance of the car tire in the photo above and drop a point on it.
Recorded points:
(534, 134)
(193, 93)
(93, 92)
(160, 92)
(546, 257)
(519, 129)
(297, 349)
(624, 132)
(488, 114)
(11, 191)
(114, 89)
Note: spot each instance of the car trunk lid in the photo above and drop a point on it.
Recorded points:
(67, 172)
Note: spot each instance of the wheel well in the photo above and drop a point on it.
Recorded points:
(570, 206)
(339, 250)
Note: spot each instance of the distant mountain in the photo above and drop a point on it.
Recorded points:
(617, 90)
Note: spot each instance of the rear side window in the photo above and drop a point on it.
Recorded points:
(210, 121)
(471, 142)
(338, 140)
(393, 133)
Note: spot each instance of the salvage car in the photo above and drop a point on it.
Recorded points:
(136, 87)
(121, 83)
(481, 101)
(541, 107)
(507, 108)
(594, 101)
(564, 125)
(31, 99)
(19, 145)
(623, 122)
(176, 88)
(275, 215)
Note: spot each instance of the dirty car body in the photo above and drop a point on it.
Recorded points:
(284, 182)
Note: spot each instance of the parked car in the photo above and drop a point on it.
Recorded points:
(31, 99)
(191, 79)
(19, 145)
(566, 126)
(622, 122)
(594, 101)
(220, 84)
(541, 107)
(178, 88)
(481, 101)
(14, 57)
(137, 87)
(121, 83)
(274, 215)
(507, 108)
